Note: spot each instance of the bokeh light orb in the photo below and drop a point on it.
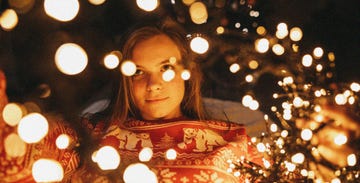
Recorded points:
(185, 74)
(97, 2)
(111, 61)
(62, 141)
(307, 60)
(33, 127)
(198, 12)
(131, 174)
(12, 114)
(47, 170)
(147, 5)
(199, 45)
(64, 10)
(128, 68)
(295, 34)
(8, 19)
(107, 158)
(235, 67)
(171, 154)
(71, 59)
(145, 154)
(168, 75)
(262, 45)
(14, 146)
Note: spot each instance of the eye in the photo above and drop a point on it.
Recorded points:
(167, 67)
(138, 73)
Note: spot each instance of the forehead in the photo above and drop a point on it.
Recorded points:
(154, 50)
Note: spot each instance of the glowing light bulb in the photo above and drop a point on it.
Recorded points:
(261, 147)
(290, 166)
(128, 68)
(64, 10)
(8, 19)
(335, 180)
(249, 78)
(33, 127)
(188, 2)
(147, 5)
(253, 64)
(12, 114)
(199, 45)
(145, 154)
(71, 59)
(107, 158)
(168, 75)
(62, 141)
(278, 49)
(319, 67)
(273, 127)
(246, 100)
(351, 160)
(340, 99)
(47, 170)
(298, 102)
(97, 2)
(254, 105)
(284, 133)
(318, 52)
(355, 87)
(282, 31)
(220, 30)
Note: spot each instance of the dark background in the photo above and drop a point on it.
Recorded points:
(26, 52)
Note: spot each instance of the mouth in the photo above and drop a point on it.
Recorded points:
(154, 100)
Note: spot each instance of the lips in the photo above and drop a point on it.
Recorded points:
(153, 100)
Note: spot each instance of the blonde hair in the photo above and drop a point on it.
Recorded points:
(191, 104)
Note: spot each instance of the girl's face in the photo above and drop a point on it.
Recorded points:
(154, 97)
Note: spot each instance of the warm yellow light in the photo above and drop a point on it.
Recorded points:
(71, 59)
(254, 105)
(47, 170)
(253, 64)
(64, 10)
(198, 12)
(235, 67)
(319, 67)
(340, 139)
(171, 154)
(340, 99)
(145, 154)
(147, 5)
(261, 30)
(97, 2)
(107, 158)
(290, 166)
(262, 45)
(12, 114)
(335, 180)
(355, 87)
(220, 30)
(8, 19)
(307, 60)
(128, 68)
(188, 2)
(296, 34)
(318, 52)
(199, 45)
(288, 80)
(111, 61)
(351, 160)
(331, 57)
(62, 141)
(249, 78)
(266, 163)
(273, 127)
(261, 147)
(246, 100)
(298, 102)
(284, 133)
(278, 49)
(304, 172)
(131, 174)
(14, 146)
(33, 127)
(185, 74)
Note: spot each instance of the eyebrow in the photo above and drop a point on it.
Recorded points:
(164, 62)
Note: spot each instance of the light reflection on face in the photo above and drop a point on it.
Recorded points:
(154, 97)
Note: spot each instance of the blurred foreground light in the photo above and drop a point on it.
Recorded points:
(12, 114)
(318, 52)
(246, 100)
(111, 61)
(47, 170)
(296, 34)
(307, 60)
(8, 19)
(97, 2)
(171, 154)
(71, 59)
(351, 160)
(254, 105)
(131, 174)
(261, 30)
(147, 5)
(145, 154)
(235, 67)
(306, 134)
(14, 146)
(64, 10)
(62, 141)
(278, 49)
(340, 139)
(107, 158)
(249, 78)
(262, 45)
(198, 13)
(188, 2)
(33, 127)
(128, 68)
(185, 74)
(220, 30)
(199, 45)
(253, 64)
(340, 99)
(298, 158)
(168, 75)
(355, 87)
(261, 147)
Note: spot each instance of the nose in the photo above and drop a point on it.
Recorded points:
(154, 82)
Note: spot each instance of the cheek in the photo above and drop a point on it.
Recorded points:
(138, 88)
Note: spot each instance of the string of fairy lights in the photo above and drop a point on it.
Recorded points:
(292, 152)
